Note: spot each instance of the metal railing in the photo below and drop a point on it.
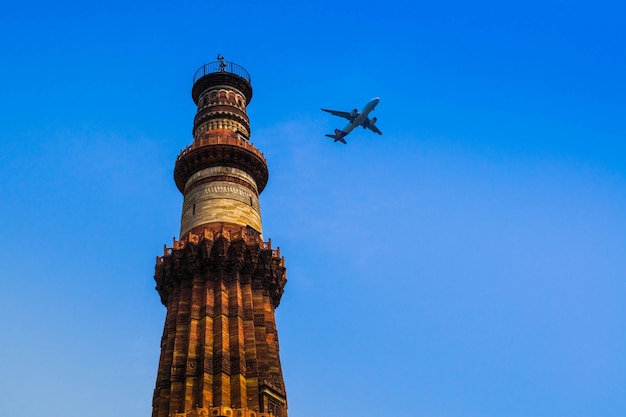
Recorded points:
(221, 66)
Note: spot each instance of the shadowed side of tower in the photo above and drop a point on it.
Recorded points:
(220, 282)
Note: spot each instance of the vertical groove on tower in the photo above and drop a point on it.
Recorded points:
(208, 346)
(220, 281)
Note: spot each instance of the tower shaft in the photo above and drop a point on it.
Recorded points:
(220, 282)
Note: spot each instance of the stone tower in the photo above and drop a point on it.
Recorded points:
(220, 281)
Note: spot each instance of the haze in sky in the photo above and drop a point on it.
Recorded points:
(469, 262)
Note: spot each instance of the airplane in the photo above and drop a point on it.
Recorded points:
(356, 119)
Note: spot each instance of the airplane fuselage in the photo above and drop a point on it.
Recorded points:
(361, 117)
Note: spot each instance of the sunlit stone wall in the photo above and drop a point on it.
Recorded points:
(220, 194)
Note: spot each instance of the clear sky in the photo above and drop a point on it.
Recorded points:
(470, 262)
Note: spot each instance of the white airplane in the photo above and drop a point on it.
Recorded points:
(356, 119)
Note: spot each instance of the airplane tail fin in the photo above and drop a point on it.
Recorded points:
(338, 136)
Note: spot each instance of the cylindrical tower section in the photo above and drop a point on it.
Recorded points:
(222, 90)
(221, 174)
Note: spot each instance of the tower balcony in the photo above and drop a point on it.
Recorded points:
(219, 150)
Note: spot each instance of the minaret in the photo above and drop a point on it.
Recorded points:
(220, 282)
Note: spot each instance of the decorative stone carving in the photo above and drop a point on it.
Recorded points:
(180, 264)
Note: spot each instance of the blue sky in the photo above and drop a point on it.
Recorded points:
(469, 262)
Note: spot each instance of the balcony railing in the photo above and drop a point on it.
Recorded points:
(222, 66)
(218, 140)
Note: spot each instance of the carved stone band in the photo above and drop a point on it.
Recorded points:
(220, 201)
(220, 171)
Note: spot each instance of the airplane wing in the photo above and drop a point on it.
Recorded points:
(367, 123)
(340, 139)
(344, 114)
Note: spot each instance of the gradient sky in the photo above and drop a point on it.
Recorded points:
(470, 262)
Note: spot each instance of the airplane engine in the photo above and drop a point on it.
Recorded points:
(373, 121)
(354, 113)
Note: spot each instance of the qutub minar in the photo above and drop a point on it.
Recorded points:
(220, 282)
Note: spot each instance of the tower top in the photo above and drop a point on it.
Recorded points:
(221, 174)
(221, 72)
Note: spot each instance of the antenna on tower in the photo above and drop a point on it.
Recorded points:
(222, 63)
